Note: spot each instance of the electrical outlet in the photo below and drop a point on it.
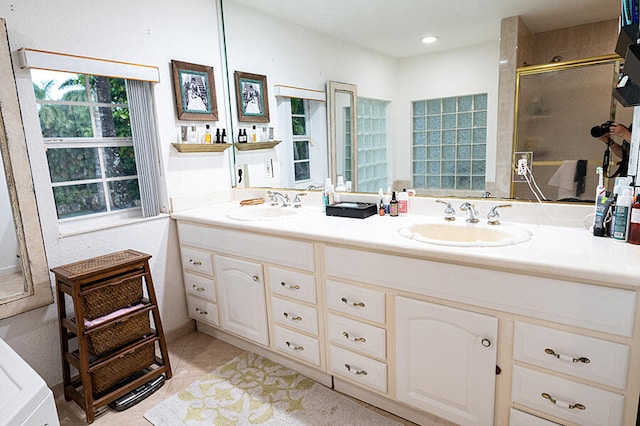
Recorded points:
(522, 167)
(522, 162)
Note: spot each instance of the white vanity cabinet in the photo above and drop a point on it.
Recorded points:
(200, 285)
(446, 360)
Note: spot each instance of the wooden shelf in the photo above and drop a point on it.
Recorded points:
(252, 146)
(201, 147)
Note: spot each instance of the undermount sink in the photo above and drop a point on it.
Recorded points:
(262, 212)
(463, 234)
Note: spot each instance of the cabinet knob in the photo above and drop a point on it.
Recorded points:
(355, 371)
(294, 347)
(291, 318)
(354, 339)
(354, 304)
(201, 312)
(563, 404)
(290, 286)
(256, 278)
(486, 342)
(564, 357)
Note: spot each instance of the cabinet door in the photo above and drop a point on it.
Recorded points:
(446, 361)
(242, 298)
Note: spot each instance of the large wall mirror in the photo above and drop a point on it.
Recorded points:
(24, 275)
(293, 55)
(343, 126)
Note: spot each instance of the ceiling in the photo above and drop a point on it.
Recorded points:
(395, 27)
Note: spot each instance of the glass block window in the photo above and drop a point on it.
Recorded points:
(372, 144)
(449, 142)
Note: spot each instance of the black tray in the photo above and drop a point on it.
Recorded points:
(352, 209)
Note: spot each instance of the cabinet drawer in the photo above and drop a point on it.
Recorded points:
(357, 336)
(600, 407)
(303, 318)
(200, 286)
(196, 260)
(292, 253)
(297, 345)
(358, 368)
(201, 310)
(293, 284)
(520, 418)
(357, 301)
(586, 357)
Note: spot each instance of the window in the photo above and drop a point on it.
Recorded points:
(372, 145)
(300, 131)
(449, 142)
(86, 128)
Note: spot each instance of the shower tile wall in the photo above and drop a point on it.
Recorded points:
(449, 142)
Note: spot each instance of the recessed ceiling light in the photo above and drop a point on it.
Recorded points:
(429, 39)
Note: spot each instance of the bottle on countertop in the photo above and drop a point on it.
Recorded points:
(622, 214)
(387, 199)
(393, 205)
(380, 202)
(403, 202)
(634, 222)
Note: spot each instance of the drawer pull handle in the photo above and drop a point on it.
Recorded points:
(582, 359)
(256, 278)
(294, 347)
(198, 288)
(291, 318)
(354, 339)
(355, 372)
(563, 404)
(201, 312)
(195, 262)
(354, 304)
(290, 286)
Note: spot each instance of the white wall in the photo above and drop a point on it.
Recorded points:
(143, 31)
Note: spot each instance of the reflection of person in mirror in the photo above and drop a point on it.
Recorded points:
(620, 150)
(250, 99)
(193, 94)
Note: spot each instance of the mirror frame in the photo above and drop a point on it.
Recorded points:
(334, 87)
(13, 146)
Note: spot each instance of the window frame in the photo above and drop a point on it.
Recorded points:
(301, 138)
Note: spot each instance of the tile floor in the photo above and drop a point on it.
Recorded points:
(191, 357)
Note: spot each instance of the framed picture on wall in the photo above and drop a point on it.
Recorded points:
(252, 97)
(195, 91)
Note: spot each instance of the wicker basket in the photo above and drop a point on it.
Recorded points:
(108, 298)
(119, 368)
(119, 333)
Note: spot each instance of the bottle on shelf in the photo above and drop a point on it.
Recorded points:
(223, 137)
(193, 135)
(207, 133)
(254, 134)
(218, 137)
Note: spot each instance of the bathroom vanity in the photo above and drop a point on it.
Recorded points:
(529, 334)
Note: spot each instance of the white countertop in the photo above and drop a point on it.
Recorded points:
(562, 252)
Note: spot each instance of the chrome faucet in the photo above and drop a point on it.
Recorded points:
(472, 213)
(297, 202)
(493, 217)
(449, 212)
(273, 198)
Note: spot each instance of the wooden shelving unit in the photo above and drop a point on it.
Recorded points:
(252, 146)
(117, 348)
(201, 147)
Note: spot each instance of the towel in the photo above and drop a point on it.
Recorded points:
(564, 179)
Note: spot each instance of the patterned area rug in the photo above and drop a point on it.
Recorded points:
(251, 390)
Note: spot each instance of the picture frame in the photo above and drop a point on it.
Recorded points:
(252, 98)
(195, 91)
